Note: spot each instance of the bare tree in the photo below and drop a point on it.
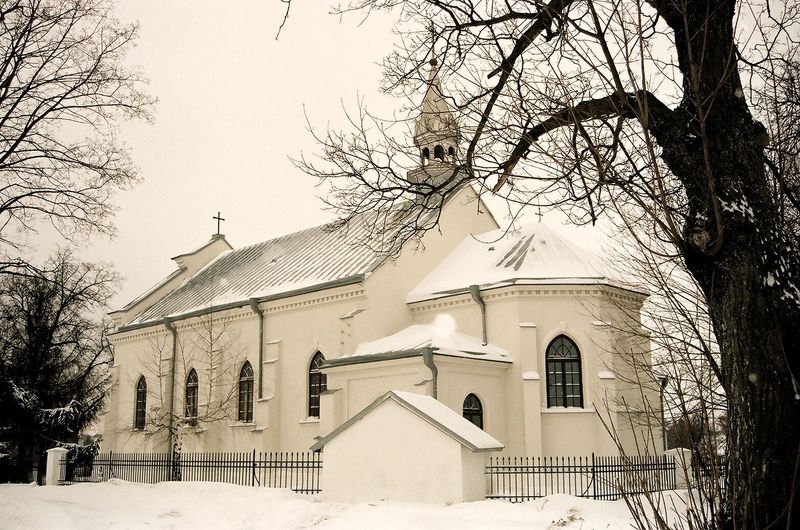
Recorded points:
(182, 407)
(679, 382)
(63, 90)
(643, 110)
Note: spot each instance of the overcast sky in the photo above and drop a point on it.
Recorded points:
(232, 105)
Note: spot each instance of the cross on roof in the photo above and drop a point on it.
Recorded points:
(219, 220)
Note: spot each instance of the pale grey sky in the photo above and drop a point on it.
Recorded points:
(230, 113)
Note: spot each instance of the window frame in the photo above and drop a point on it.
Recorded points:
(140, 404)
(245, 395)
(473, 412)
(561, 366)
(317, 384)
(191, 395)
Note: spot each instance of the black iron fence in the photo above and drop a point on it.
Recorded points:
(710, 474)
(525, 478)
(298, 471)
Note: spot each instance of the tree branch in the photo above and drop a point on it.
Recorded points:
(642, 105)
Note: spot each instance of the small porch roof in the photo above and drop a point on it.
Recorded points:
(415, 340)
(432, 411)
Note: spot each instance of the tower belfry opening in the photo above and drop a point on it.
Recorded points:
(436, 133)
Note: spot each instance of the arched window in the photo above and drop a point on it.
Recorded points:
(246, 393)
(317, 383)
(473, 410)
(426, 153)
(190, 410)
(141, 404)
(564, 388)
(451, 151)
(438, 152)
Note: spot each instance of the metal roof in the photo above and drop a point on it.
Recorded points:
(316, 256)
(536, 253)
(441, 339)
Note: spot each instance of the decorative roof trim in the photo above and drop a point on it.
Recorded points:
(490, 292)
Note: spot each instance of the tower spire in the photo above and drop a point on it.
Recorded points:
(436, 132)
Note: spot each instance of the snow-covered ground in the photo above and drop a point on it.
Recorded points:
(198, 505)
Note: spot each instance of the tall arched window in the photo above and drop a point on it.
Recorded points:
(246, 393)
(438, 152)
(190, 410)
(317, 383)
(473, 410)
(564, 388)
(141, 404)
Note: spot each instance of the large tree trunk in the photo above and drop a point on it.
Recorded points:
(746, 266)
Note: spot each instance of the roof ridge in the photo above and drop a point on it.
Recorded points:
(288, 234)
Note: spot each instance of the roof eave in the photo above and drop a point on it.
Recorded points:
(375, 357)
(526, 281)
(405, 354)
(358, 278)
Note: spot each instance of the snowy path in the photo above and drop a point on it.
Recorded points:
(200, 505)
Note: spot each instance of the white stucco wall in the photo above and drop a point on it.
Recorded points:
(487, 380)
(358, 385)
(524, 320)
(295, 328)
(393, 455)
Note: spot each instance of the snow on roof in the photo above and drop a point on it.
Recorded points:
(314, 257)
(443, 339)
(434, 412)
(535, 254)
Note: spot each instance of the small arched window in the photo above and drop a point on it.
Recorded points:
(317, 383)
(141, 404)
(426, 153)
(473, 410)
(451, 152)
(246, 393)
(438, 152)
(564, 387)
(190, 410)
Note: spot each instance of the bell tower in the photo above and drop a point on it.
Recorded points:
(436, 134)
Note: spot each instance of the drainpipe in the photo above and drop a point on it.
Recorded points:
(260, 313)
(171, 328)
(427, 358)
(475, 291)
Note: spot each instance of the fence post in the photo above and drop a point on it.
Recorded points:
(56, 466)
(253, 468)
(594, 479)
(683, 467)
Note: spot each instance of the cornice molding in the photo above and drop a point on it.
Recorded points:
(228, 315)
(523, 291)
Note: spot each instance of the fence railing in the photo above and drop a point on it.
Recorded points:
(525, 478)
(710, 474)
(298, 471)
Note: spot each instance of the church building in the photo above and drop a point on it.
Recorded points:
(274, 345)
